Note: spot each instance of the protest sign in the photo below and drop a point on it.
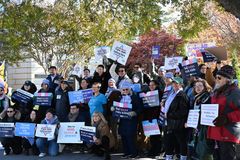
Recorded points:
(150, 99)
(43, 99)
(75, 97)
(172, 62)
(156, 52)
(6, 129)
(86, 94)
(122, 110)
(190, 68)
(45, 131)
(208, 57)
(193, 118)
(150, 128)
(120, 52)
(25, 129)
(219, 52)
(99, 52)
(136, 87)
(87, 134)
(77, 70)
(69, 132)
(22, 97)
(194, 49)
(208, 113)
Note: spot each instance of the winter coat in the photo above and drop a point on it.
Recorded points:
(115, 95)
(4, 104)
(15, 118)
(129, 126)
(103, 79)
(229, 105)
(53, 83)
(178, 112)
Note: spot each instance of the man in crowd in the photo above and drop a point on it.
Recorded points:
(53, 78)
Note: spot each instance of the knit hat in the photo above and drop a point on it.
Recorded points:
(111, 79)
(52, 111)
(169, 75)
(27, 83)
(227, 71)
(46, 81)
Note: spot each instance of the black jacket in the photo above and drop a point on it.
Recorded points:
(178, 112)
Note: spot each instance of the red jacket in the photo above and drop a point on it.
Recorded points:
(229, 105)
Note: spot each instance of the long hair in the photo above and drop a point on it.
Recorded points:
(207, 87)
(102, 118)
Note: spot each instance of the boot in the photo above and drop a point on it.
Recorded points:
(169, 157)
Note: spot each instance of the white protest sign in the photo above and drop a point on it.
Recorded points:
(77, 70)
(172, 62)
(69, 132)
(193, 118)
(208, 113)
(120, 52)
(99, 52)
(45, 131)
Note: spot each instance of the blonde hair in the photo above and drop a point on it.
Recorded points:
(102, 118)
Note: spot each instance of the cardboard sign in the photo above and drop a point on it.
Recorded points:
(150, 128)
(190, 68)
(22, 97)
(69, 132)
(156, 52)
(87, 134)
(25, 129)
(120, 52)
(6, 129)
(172, 63)
(193, 118)
(208, 57)
(99, 52)
(209, 112)
(45, 131)
(75, 97)
(150, 99)
(122, 110)
(43, 99)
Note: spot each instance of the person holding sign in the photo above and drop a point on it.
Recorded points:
(176, 112)
(227, 124)
(4, 101)
(104, 138)
(128, 127)
(46, 143)
(11, 143)
(79, 114)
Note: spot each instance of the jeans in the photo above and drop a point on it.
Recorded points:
(43, 143)
(13, 144)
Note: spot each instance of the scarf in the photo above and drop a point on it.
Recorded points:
(73, 116)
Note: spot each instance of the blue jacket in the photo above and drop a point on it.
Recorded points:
(53, 83)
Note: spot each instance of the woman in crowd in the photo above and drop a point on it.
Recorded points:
(11, 143)
(29, 144)
(103, 141)
(176, 112)
(44, 143)
(4, 101)
(128, 127)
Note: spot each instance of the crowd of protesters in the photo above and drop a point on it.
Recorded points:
(215, 84)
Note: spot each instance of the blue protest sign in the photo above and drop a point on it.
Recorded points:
(87, 134)
(87, 94)
(150, 99)
(136, 87)
(75, 97)
(43, 99)
(122, 110)
(22, 97)
(208, 57)
(156, 52)
(6, 129)
(25, 129)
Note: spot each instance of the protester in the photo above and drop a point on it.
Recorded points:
(176, 112)
(53, 78)
(62, 101)
(158, 76)
(79, 114)
(203, 71)
(46, 145)
(140, 77)
(226, 130)
(128, 127)
(98, 100)
(86, 75)
(84, 84)
(11, 143)
(24, 108)
(4, 101)
(101, 77)
(103, 141)
(189, 89)
(29, 144)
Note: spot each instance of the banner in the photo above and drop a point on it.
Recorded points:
(22, 97)
(75, 97)
(209, 112)
(122, 110)
(86, 94)
(156, 52)
(172, 63)
(87, 134)
(99, 52)
(45, 131)
(43, 99)
(69, 132)
(151, 128)
(193, 118)
(25, 129)
(120, 52)
(6, 129)
(208, 57)
(190, 68)
(150, 99)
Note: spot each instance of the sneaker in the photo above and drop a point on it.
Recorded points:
(42, 155)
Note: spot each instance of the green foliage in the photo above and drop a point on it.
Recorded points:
(235, 63)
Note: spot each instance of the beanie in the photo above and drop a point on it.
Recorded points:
(227, 71)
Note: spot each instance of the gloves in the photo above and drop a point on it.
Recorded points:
(220, 121)
(112, 109)
(132, 114)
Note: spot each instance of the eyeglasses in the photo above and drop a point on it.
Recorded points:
(9, 111)
(121, 70)
(1, 90)
(136, 67)
(125, 89)
(218, 77)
